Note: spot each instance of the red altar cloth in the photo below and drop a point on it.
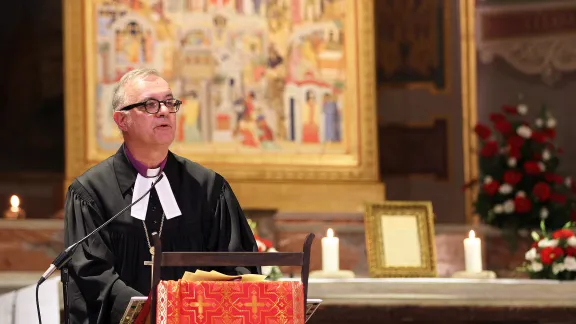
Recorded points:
(211, 302)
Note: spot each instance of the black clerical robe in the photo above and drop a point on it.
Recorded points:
(108, 269)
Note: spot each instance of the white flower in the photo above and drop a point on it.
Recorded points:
(505, 189)
(487, 179)
(266, 270)
(522, 109)
(571, 241)
(539, 122)
(558, 267)
(570, 263)
(551, 123)
(498, 209)
(531, 255)
(536, 266)
(544, 243)
(509, 206)
(546, 155)
(272, 250)
(520, 194)
(543, 213)
(568, 182)
(512, 162)
(542, 166)
(524, 131)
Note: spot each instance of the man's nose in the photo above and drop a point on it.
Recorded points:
(163, 110)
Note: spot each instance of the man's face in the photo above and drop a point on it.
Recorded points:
(140, 126)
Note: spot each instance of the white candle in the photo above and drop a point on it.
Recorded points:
(473, 253)
(330, 254)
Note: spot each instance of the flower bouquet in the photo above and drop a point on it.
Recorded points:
(272, 272)
(519, 185)
(552, 256)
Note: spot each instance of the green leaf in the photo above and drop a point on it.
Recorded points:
(543, 227)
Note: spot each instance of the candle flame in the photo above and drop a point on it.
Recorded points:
(330, 233)
(471, 234)
(14, 201)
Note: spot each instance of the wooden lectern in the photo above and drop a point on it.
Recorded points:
(215, 259)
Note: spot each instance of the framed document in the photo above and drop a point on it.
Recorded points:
(400, 239)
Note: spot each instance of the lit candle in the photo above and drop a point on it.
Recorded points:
(473, 253)
(14, 212)
(330, 254)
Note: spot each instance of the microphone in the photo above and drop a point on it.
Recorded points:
(67, 254)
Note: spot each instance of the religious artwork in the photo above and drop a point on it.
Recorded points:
(400, 239)
(273, 90)
(254, 76)
(412, 43)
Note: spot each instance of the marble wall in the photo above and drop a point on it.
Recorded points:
(30, 245)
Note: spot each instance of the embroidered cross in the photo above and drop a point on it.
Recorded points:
(254, 304)
(199, 304)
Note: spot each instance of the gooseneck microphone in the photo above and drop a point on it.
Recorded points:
(65, 256)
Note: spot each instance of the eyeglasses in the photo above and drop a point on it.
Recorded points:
(152, 106)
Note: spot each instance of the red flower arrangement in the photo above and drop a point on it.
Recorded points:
(552, 256)
(519, 185)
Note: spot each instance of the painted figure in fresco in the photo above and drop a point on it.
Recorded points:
(189, 120)
(309, 122)
(274, 58)
(265, 133)
(332, 119)
(310, 10)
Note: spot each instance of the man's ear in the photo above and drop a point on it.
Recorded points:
(121, 120)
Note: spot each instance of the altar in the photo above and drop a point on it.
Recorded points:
(425, 300)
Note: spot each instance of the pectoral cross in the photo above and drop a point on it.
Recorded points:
(151, 264)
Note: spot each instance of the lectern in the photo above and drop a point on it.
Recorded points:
(216, 259)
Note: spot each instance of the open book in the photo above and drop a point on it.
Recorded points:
(138, 308)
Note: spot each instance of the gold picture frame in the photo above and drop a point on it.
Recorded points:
(356, 162)
(400, 239)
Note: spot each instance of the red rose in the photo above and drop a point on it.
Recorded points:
(557, 198)
(514, 152)
(550, 133)
(515, 141)
(562, 234)
(522, 204)
(538, 137)
(503, 126)
(483, 131)
(570, 251)
(532, 167)
(491, 187)
(555, 178)
(541, 191)
(511, 110)
(497, 117)
(549, 254)
(512, 177)
(490, 149)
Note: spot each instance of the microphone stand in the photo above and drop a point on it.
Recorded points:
(61, 261)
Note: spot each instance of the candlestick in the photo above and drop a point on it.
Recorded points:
(473, 253)
(330, 253)
(15, 211)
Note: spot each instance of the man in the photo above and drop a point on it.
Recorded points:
(192, 208)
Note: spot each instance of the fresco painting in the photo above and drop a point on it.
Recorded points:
(255, 76)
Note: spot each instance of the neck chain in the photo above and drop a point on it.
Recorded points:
(150, 247)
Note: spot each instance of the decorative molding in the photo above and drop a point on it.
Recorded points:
(535, 38)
